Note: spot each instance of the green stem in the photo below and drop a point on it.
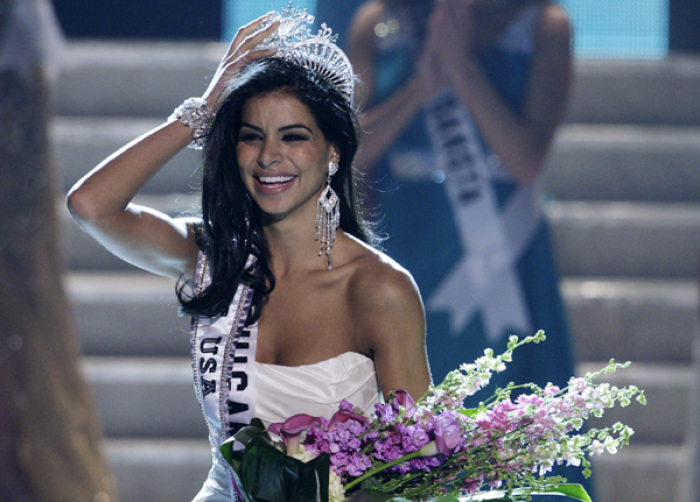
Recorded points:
(380, 468)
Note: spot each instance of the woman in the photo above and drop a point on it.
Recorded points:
(463, 99)
(279, 328)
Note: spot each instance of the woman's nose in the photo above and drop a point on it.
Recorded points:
(269, 154)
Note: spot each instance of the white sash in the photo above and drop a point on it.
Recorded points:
(485, 278)
(223, 353)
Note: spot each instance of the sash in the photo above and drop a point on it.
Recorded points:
(223, 353)
(485, 278)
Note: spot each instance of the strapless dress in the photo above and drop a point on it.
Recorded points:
(314, 389)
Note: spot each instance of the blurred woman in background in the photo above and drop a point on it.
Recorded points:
(462, 100)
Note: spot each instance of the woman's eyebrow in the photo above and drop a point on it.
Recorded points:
(281, 129)
(250, 126)
(295, 126)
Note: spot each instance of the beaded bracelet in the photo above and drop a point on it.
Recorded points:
(196, 114)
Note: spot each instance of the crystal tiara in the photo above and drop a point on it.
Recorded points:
(319, 52)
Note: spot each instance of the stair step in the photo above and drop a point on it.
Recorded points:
(625, 239)
(642, 474)
(150, 79)
(139, 397)
(633, 320)
(668, 389)
(122, 314)
(588, 162)
(83, 142)
(147, 79)
(624, 162)
(599, 239)
(173, 471)
(660, 91)
(158, 470)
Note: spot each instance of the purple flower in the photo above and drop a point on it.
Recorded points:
(402, 400)
(387, 447)
(384, 413)
(448, 433)
(354, 464)
(343, 416)
(413, 438)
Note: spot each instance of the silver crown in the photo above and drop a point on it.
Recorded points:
(319, 52)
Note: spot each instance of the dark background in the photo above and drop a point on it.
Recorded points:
(141, 19)
(202, 20)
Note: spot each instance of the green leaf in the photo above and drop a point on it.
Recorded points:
(468, 412)
(492, 495)
(256, 429)
(372, 495)
(244, 436)
(227, 451)
(573, 490)
(371, 484)
(269, 475)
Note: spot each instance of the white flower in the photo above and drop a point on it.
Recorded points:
(610, 445)
(335, 488)
(303, 454)
(597, 448)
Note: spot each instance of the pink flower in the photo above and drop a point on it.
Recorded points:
(551, 390)
(291, 429)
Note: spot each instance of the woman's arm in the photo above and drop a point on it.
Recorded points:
(391, 323)
(101, 203)
(101, 200)
(521, 142)
(384, 122)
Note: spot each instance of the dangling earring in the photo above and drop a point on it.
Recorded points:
(327, 216)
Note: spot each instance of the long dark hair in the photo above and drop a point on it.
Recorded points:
(230, 231)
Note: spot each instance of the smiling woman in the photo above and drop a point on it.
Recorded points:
(283, 155)
(279, 273)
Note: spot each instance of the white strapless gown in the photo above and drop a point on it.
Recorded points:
(313, 389)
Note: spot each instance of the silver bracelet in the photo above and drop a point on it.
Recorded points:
(196, 114)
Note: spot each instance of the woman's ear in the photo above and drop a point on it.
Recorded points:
(335, 156)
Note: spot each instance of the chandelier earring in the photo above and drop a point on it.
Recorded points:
(328, 216)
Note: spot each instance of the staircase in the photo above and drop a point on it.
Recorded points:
(624, 178)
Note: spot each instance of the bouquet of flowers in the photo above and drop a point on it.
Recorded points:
(435, 448)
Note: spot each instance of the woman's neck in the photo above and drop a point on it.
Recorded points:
(292, 246)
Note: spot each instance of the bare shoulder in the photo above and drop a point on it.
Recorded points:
(389, 321)
(555, 24)
(384, 299)
(379, 282)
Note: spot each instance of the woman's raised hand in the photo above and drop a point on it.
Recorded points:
(241, 51)
(451, 35)
(429, 70)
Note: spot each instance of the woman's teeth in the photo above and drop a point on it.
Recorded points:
(274, 180)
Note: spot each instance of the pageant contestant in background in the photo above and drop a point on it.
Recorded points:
(294, 310)
(462, 100)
